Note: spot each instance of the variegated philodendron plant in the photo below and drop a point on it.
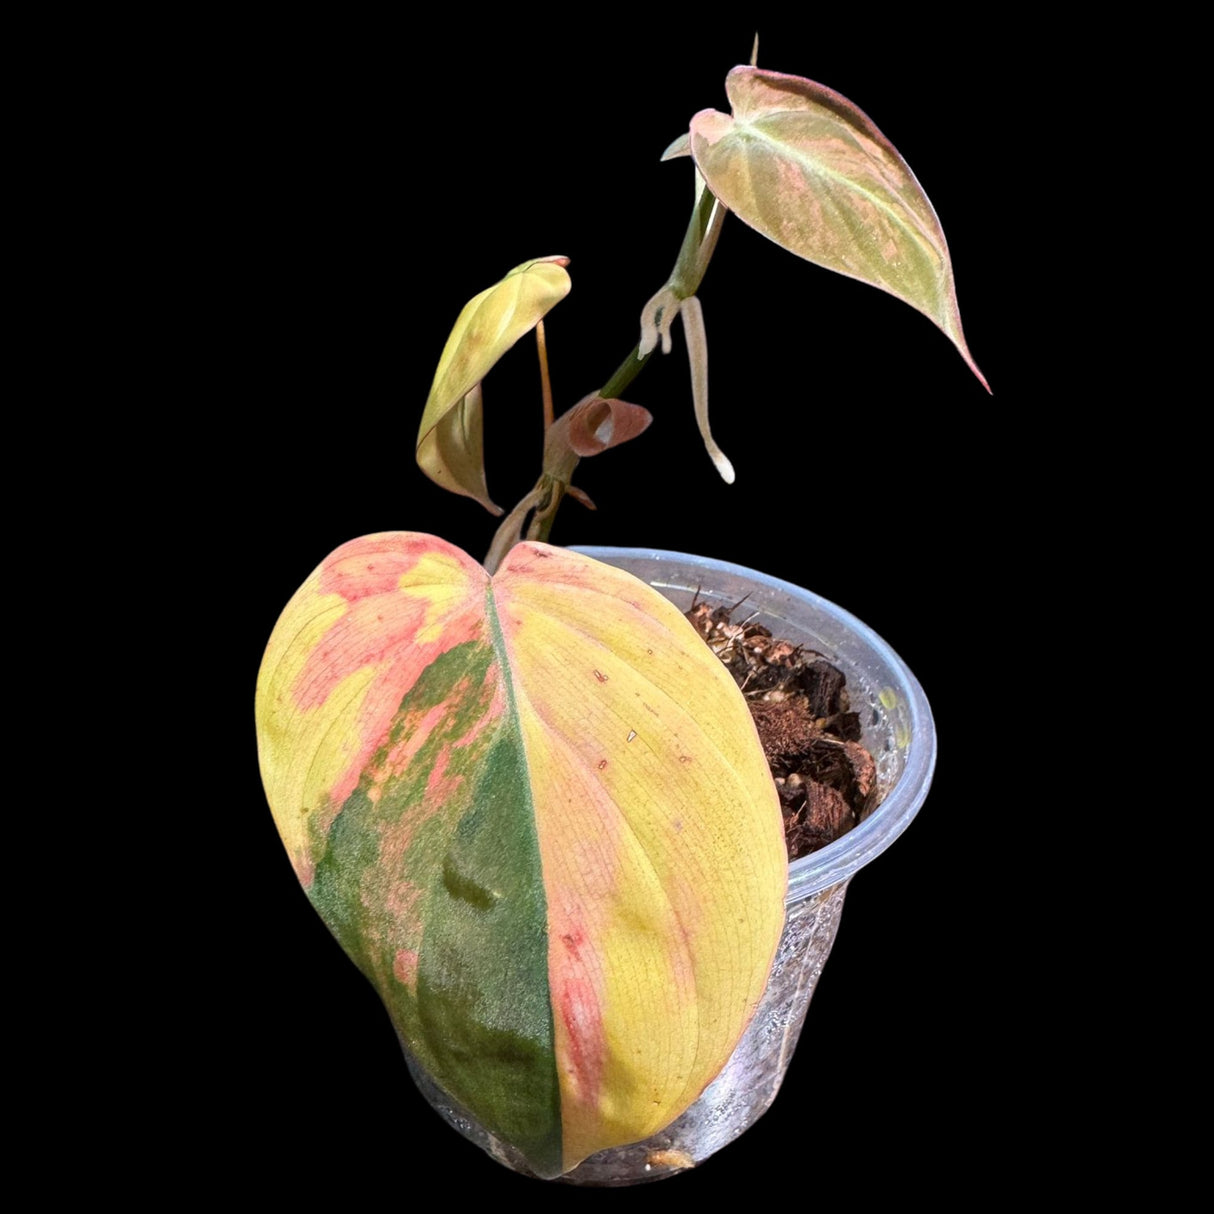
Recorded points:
(526, 798)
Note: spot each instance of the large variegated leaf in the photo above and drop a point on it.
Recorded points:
(808, 169)
(534, 811)
(449, 442)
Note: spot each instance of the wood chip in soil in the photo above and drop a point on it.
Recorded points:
(826, 780)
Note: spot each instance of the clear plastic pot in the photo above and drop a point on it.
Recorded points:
(898, 731)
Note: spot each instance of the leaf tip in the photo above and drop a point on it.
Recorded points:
(723, 466)
(679, 147)
(958, 339)
(973, 366)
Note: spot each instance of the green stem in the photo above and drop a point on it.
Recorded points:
(627, 371)
(699, 241)
(696, 251)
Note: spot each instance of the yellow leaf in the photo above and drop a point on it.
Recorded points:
(449, 441)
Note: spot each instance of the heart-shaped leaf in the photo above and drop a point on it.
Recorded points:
(534, 810)
(806, 168)
(449, 442)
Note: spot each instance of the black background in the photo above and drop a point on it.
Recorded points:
(351, 189)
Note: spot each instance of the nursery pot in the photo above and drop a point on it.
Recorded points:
(898, 731)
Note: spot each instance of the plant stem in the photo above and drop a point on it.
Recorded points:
(696, 251)
(541, 520)
(545, 383)
(628, 370)
(699, 242)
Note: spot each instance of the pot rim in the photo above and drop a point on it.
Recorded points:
(846, 855)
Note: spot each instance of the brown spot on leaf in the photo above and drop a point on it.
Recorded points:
(602, 678)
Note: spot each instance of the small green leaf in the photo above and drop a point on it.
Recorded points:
(806, 168)
(450, 447)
